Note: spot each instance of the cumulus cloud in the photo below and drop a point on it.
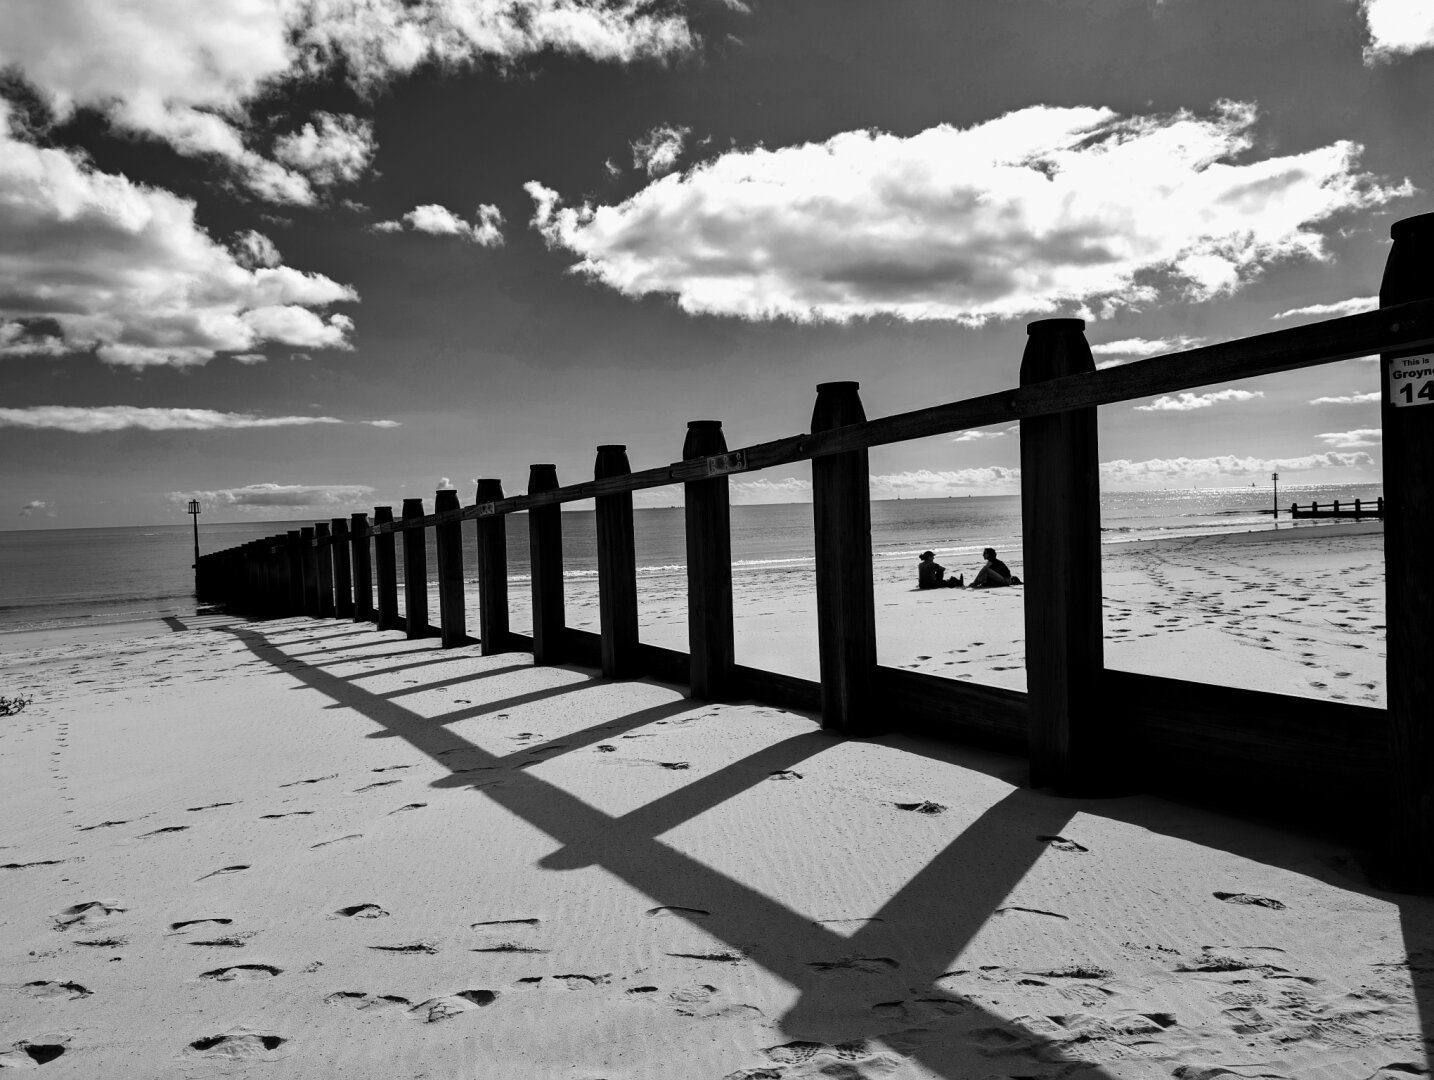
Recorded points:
(1353, 306)
(1396, 28)
(763, 489)
(1187, 401)
(272, 496)
(976, 435)
(1182, 471)
(657, 152)
(109, 265)
(34, 506)
(438, 220)
(382, 423)
(1347, 399)
(337, 150)
(102, 418)
(186, 73)
(1041, 210)
(1349, 440)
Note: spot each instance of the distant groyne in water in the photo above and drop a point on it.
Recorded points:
(1086, 730)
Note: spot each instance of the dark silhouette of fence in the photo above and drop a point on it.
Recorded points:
(1338, 509)
(1087, 730)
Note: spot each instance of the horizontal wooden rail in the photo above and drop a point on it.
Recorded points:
(1404, 326)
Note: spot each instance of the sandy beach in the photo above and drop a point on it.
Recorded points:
(308, 849)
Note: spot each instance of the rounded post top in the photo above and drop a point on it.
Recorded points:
(611, 461)
(412, 508)
(543, 477)
(836, 387)
(445, 499)
(1418, 227)
(704, 425)
(382, 514)
(358, 517)
(321, 528)
(704, 438)
(307, 532)
(490, 489)
(612, 448)
(1056, 326)
(838, 404)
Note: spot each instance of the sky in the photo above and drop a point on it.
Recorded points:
(297, 258)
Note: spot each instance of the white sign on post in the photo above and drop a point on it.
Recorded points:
(1411, 380)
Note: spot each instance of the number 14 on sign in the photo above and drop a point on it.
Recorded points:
(1411, 380)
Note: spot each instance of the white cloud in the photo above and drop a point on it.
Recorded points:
(1187, 401)
(34, 506)
(124, 269)
(185, 73)
(1347, 399)
(438, 220)
(932, 484)
(1349, 440)
(657, 151)
(1397, 27)
(337, 151)
(975, 435)
(762, 489)
(270, 496)
(102, 418)
(1041, 210)
(253, 249)
(382, 423)
(1145, 346)
(1183, 471)
(1353, 306)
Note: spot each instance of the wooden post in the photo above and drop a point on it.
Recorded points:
(617, 568)
(452, 618)
(545, 552)
(311, 571)
(415, 573)
(343, 576)
(1075, 745)
(492, 572)
(1407, 418)
(846, 608)
(324, 552)
(708, 520)
(385, 561)
(294, 557)
(362, 568)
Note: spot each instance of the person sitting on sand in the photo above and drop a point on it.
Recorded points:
(995, 574)
(932, 575)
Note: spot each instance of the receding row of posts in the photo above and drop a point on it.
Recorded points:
(1080, 741)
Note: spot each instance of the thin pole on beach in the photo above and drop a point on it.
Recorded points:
(846, 605)
(492, 572)
(194, 512)
(1074, 746)
(1407, 419)
(415, 573)
(617, 567)
(448, 539)
(545, 552)
(708, 515)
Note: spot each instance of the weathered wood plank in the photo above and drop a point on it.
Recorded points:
(343, 573)
(708, 520)
(545, 551)
(385, 558)
(846, 607)
(1409, 571)
(448, 537)
(415, 573)
(362, 568)
(617, 568)
(310, 559)
(324, 554)
(492, 573)
(1074, 747)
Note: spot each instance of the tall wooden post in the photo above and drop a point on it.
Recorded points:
(708, 518)
(617, 568)
(492, 572)
(343, 576)
(452, 617)
(385, 562)
(311, 571)
(415, 573)
(545, 551)
(846, 607)
(1407, 416)
(1075, 743)
(324, 552)
(362, 568)
(294, 558)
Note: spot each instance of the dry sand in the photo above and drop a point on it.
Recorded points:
(307, 849)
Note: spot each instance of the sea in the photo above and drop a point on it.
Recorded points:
(55, 578)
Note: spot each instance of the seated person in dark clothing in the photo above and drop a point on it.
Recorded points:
(994, 574)
(932, 575)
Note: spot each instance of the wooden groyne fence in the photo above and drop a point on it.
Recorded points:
(1338, 509)
(1086, 729)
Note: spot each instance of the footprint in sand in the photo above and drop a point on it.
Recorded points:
(438, 1009)
(921, 807)
(657, 912)
(291, 813)
(785, 774)
(240, 1046)
(357, 999)
(375, 784)
(55, 991)
(235, 869)
(242, 973)
(27, 1055)
(408, 806)
(336, 840)
(362, 911)
(1247, 898)
(311, 780)
(166, 829)
(86, 914)
(1060, 843)
(425, 948)
(32, 865)
(209, 806)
